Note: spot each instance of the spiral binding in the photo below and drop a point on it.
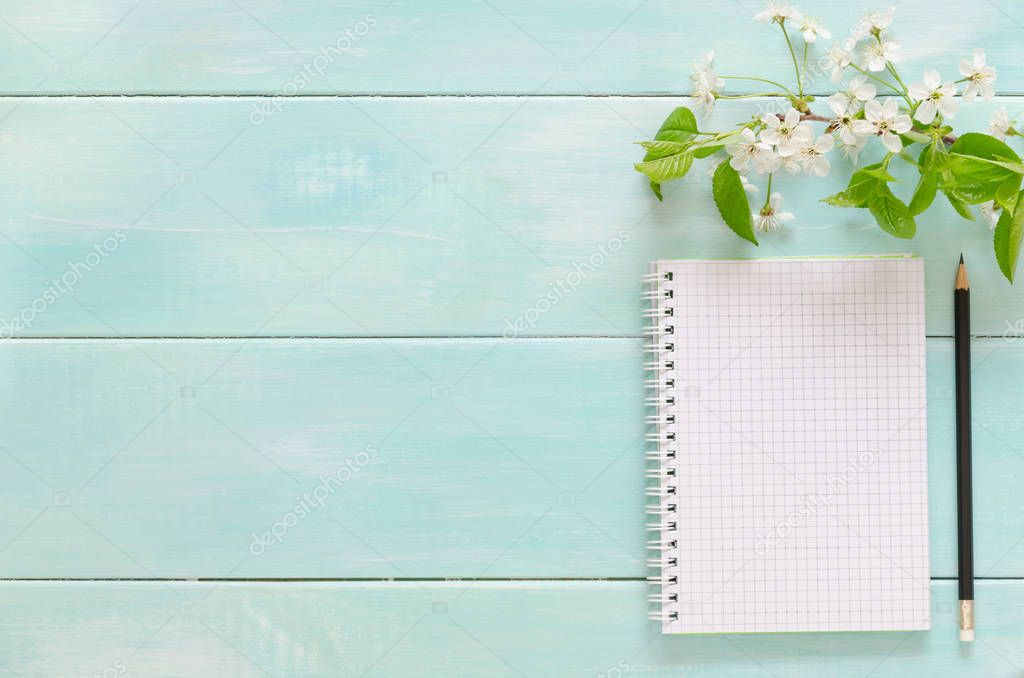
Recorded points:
(661, 448)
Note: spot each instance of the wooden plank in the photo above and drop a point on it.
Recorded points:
(455, 629)
(408, 216)
(493, 458)
(461, 46)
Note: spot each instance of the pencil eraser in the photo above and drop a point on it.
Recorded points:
(967, 635)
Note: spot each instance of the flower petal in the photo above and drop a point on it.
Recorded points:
(892, 142)
(925, 112)
(873, 110)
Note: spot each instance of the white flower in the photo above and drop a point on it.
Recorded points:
(770, 218)
(812, 155)
(839, 60)
(934, 97)
(791, 164)
(887, 122)
(748, 150)
(991, 213)
(857, 90)
(980, 78)
(880, 52)
(844, 123)
(703, 69)
(705, 98)
(786, 134)
(1000, 124)
(706, 83)
(812, 29)
(874, 23)
(778, 12)
(747, 186)
(852, 151)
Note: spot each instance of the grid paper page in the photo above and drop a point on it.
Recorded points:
(800, 421)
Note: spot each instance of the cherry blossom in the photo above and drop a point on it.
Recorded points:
(812, 29)
(934, 97)
(844, 123)
(980, 78)
(839, 60)
(999, 124)
(706, 83)
(887, 122)
(857, 91)
(812, 155)
(777, 12)
(748, 150)
(879, 53)
(787, 134)
(770, 218)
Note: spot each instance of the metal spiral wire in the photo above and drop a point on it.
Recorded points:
(660, 474)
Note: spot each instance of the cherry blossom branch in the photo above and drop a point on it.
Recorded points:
(814, 117)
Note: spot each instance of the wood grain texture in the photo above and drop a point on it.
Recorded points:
(481, 629)
(384, 216)
(452, 47)
(494, 458)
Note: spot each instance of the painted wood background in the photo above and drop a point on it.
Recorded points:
(261, 249)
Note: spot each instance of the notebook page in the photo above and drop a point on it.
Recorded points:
(800, 424)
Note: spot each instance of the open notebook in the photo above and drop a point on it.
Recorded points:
(787, 465)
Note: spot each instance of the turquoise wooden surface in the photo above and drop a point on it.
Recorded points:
(500, 629)
(319, 222)
(450, 47)
(517, 458)
(276, 230)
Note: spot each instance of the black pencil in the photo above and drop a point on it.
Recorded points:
(964, 514)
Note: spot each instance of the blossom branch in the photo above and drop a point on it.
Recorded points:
(874, 104)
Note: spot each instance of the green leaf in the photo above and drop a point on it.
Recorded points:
(673, 137)
(974, 181)
(983, 146)
(1015, 167)
(705, 151)
(891, 214)
(959, 206)
(924, 194)
(927, 186)
(666, 169)
(656, 189)
(878, 172)
(680, 125)
(732, 202)
(862, 184)
(978, 164)
(1007, 193)
(662, 149)
(916, 137)
(1006, 241)
(932, 157)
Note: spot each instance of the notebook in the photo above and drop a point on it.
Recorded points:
(787, 461)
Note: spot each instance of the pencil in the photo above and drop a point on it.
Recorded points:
(964, 515)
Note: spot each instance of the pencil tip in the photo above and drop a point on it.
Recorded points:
(961, 275)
